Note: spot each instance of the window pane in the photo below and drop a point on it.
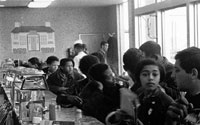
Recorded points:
(175, 32)
(125, 16)
(145, 2)
(146, 28)
(198, 23)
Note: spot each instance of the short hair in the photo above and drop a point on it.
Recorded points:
(96, 72)
(150, 48)
(86, 62)
(103, 43)
(189, 58)
(78, 46)
(51, 59)
(65, 60)
(99, 56)
(34, 61)
(149, 61)
(131, 57)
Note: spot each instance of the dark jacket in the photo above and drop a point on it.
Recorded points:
(80, 85)
(99, 103)
(59, 79)
(153, 109)
(194, 100)
(104, 56)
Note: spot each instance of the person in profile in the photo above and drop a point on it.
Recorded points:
(131, 58)
(52, 65)
(103, 51)
(187, 75)
(34, 62)
(79, 54)
(101, 95)
(85, 63)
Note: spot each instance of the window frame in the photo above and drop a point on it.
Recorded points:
(192, 11)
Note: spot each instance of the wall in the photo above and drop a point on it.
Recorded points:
(67, 23)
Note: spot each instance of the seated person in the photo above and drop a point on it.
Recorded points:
(101, 95)
(154, 101)
(62, 83)
(34, 63)
(85, 63)
(187, 76)
(52, 65)
(130, 58)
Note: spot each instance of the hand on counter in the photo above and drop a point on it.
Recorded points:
(75, 100)
(62, 89)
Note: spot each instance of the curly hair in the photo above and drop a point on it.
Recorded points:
(149, 61)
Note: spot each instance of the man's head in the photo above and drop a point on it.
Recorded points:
(99, 56)
(34, 62)
(86, 62)
(78, 47)
(187, 69)
(101, 72)
(104, 46)
(67, 65)
(130, 58)
(52, 63)
(150, 48)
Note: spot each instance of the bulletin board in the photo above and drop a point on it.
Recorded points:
(92, 41)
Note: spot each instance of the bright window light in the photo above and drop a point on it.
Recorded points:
(39, 4)
(2, 0)
(2, 5)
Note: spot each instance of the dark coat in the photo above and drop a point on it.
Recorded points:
(153, 109)
(59, 79)
(99, 103)
(80, 85)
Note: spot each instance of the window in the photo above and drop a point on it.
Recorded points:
(198, 24)
(174, 32)
(123, 30)
(146, 28)
(174, 24)
(141, 3)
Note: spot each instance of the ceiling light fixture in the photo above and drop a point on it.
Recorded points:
(2, 5)
(38, 4)
(2, 0)
(43, 0)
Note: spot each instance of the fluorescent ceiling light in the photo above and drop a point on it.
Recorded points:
(2, 0)
(39, 4)
(43, 0)
(2, 5)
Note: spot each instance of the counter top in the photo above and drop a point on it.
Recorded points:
(62, 114)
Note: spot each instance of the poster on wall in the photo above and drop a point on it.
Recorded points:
(26, 39)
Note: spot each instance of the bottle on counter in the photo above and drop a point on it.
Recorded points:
(52, 111)
(78, 116)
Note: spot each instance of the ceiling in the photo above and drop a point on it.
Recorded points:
(64, 3)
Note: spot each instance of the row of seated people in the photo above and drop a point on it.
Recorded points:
(99, 93)
(154, 81)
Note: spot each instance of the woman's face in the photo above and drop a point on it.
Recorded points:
(150, 76)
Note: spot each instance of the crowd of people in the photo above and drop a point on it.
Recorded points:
(166, 93)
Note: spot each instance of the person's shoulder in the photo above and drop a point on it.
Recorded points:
(45, 70)
(53, 75)
(77, 75)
